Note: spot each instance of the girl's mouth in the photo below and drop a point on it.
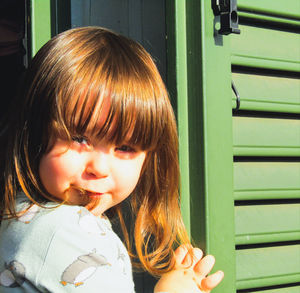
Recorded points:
(93, 194)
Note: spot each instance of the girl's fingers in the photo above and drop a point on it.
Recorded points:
(180, 254)
(186, 256)
(204, 266)
(211, 281)
(197, 254)
(192, 257)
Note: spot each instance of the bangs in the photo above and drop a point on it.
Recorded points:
(118, 98)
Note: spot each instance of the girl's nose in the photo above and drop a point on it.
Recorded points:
(98, 165)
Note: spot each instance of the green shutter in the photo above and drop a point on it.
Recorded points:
(252, 226)
(266, 145)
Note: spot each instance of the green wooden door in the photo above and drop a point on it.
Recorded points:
(203, 89)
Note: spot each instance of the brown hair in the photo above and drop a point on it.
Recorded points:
(62, 92)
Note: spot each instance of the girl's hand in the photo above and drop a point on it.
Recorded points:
(189, 273)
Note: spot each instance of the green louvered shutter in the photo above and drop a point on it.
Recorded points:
(241, 167)
(266, 145)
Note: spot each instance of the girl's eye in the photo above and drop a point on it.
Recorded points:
(80, 140)
(125, 149)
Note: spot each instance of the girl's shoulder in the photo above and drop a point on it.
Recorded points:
(35, 225)
(40, 224)
(53, 216)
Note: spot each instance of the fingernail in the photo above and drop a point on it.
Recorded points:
(198, 252)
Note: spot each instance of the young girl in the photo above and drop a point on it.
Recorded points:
(95, 126)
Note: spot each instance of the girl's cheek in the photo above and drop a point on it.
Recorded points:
(64, 165)
(69, 165)
(127, 174)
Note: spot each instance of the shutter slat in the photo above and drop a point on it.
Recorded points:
(267, 93)
(267, 223)
(268, 266)
(290, 9)
(266, 137)
(275, 21)
(266, 180)
(263, 48)
(281, 290)
(255, 62)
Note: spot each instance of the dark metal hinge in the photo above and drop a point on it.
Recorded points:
(227, 9)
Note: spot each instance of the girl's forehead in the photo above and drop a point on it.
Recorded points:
(104, 118)
(117, 113)
(94, 108)
(102, 111)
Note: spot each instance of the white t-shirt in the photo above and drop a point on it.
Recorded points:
(63, 249)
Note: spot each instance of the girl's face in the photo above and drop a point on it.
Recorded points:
(90, 173)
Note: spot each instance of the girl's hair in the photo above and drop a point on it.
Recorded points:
(62, 95)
